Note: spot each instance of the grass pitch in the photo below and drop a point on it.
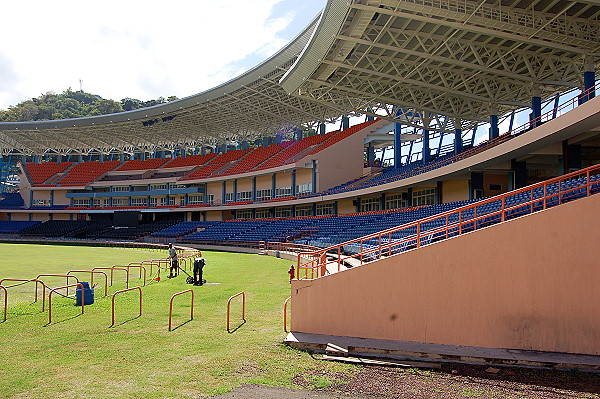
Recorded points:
(81, 356)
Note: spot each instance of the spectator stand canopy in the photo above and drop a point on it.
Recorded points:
(439, 65)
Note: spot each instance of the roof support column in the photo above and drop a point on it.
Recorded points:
(426, 149)
(298, 134)
(223, 192)
(397, 145)
(457, 136)
(294, 182)
(345, 123)
(314, 176)
(321, 129)
(370, 155)
(254, 189)
(589, 81)
(273, 184)
(536, 107)
(494, 130)
(235, 196)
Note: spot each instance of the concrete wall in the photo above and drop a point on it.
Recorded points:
(530, 283)
(455, 190)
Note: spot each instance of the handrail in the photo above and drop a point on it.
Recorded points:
(243, 294)
(119, 292)
(25, 281)
(135, 266)
(59, 288)
(112, 269)
(92, 272)
(171, 306)
(56, 275)
(285, 304)
(457, 221)
(5, 301)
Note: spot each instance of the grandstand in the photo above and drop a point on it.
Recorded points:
(489, 110)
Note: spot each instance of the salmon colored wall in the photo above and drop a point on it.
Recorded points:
(213, 216)
(530, 283)
(19, 216)
(303, 176)
(283, 179)
(60, 198)
(41, 217)
(502, 180)
(345, 207)
(455, 190)
(60, 216)
(244, 185)
(215, 189)
(263, 182)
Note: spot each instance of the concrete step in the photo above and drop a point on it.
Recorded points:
(387, 350)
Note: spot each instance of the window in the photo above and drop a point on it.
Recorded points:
(153, 202)
(244, 214)
(138, 201)
(158, 187)
(79, 202)
(395, 201)
(195, 199)
(325, 209)
(121, 201)
(263, 213)
(283, 191)
(424, 197)
(119, 188)
(304, 188)
(100, 202)
(244, 196)
(304, 210)
(165, 201)
(283, 212)
(369, 204)
(173, 186)
(182, 200)
(41, 202)
(228, 197)
(263, 195)
(210, 198)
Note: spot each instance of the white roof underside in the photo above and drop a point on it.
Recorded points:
(436, 63)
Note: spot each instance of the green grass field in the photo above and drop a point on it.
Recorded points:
(80, 356)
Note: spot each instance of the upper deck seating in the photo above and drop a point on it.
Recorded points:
(11, 201)
(84, 173)
(192, 160)
(289, 154)
(338, 135)
(40, 172)
(253, 159)
(137, 164)
(217, 163)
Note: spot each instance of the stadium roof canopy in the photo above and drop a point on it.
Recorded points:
(429, 63)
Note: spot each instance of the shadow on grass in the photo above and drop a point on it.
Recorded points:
(237, 328)
(126, 321)
(181, 325)
(63, 320)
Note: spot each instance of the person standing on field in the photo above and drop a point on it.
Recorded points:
(174, 270)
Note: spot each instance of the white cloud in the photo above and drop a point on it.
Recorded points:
(132, 48)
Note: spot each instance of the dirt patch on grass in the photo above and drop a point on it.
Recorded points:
(452, 381)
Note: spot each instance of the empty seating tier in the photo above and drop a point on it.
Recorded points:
(40, 172)
(84, 173)
(192, 160)
(137, 164)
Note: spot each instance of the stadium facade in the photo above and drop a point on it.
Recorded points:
(250, 162)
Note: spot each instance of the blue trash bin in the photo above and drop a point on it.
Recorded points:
(88, 294)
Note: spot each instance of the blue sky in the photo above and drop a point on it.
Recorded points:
(140, 49)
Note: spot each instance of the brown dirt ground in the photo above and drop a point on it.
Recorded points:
(452, 381)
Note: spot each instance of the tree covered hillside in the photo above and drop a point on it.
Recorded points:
(71, 104)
